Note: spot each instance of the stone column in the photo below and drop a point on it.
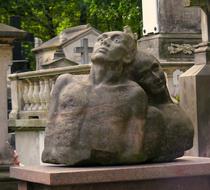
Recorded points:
(7, 35)
(5, 60)
(195, 86)
(170, 34)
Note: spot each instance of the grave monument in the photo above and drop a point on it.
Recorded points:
(106, 119)
(185, 173)
(195, 91)
(170, 34)
(7, 35)
(74, 45)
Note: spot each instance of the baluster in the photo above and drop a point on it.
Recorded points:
(46, 92)
(30, 95)
(41, 95)
(36, 99)
(25, 96)
(52, 81)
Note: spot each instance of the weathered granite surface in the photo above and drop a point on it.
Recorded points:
(105, 119)
(99, 120)
(175, 18)
(186, 173)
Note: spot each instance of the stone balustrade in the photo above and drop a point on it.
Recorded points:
(30, 91)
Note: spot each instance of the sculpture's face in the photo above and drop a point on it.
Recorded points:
(111, 47)
(151, 77)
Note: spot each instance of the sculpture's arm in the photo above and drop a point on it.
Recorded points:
(61, 82)
(135, 129)
(139, 102)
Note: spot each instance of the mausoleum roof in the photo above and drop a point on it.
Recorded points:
(11, 32)
(59, 60)
(66, 36)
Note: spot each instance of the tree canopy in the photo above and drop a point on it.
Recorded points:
(47, 18)
(107, 15)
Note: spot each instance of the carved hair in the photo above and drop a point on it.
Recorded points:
(133, 39)
(127, 30)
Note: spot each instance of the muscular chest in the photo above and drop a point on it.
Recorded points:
(73, 96)
(94, 99)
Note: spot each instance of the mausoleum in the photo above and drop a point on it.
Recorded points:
(74, 44)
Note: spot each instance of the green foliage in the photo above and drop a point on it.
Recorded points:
(47, 18)
(107, 15)
(177, 97)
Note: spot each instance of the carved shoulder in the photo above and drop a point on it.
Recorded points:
(138, 99)
(62, 81)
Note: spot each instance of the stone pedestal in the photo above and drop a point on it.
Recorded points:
(195, 91)
(187, 173)
(29, 138)
(5, 59)
(7, 36)
(194, 98)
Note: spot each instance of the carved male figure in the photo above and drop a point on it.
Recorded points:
(99, 120)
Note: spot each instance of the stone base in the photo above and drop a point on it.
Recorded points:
(194, 99)
(186, 173)
(169, 48)
(29, 133)
(33, 139)
(7, 183)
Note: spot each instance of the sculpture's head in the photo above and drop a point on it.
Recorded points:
(146, 71)
(114, 47)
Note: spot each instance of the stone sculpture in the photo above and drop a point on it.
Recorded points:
(104, 118)
(99, 120)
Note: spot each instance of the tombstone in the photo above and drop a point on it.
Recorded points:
(7, 35)
(73, 42)
(176, 75)
(194, 85)
(170, 33)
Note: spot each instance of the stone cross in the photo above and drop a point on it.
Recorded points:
(84, 50)
(205, 17)
(7, 35)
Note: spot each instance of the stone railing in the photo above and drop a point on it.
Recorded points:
(30, 91)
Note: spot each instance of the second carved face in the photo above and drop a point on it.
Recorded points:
(147, 73)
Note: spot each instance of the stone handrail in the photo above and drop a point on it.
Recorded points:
(30, 91)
